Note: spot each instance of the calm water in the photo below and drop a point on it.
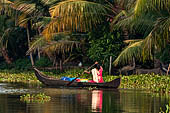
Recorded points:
(74, 100)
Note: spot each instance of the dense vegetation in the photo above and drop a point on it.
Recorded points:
(47, 33)
(153, 83)
(76, 30)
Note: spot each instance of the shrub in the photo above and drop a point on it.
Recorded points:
(43, 62)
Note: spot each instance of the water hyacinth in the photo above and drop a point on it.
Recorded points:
(151, 82)
(40, 98)
(155, 83)
(9, 76)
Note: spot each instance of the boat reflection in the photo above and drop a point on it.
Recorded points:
(97, 100)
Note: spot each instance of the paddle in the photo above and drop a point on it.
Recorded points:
(79, 75)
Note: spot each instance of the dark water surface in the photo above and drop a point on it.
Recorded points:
(74, 100)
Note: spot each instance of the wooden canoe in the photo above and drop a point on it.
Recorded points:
(53, 82)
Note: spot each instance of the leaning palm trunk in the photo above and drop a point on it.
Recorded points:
(5, 55)
(28, 36)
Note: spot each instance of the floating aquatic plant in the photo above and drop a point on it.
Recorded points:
(40, 98)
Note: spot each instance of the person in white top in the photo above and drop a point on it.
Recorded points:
(97, 73)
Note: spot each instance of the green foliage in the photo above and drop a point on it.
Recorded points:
(37, 98)
(25, 64)
(17, 43)
(104, 46)
(22, 64)
(4, 65)
(13, 76)
(43, 62)
(164, 55)
(19, 64)
(151, 82)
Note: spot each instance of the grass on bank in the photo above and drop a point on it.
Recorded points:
(151, 82)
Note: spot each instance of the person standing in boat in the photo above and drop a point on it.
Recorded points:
(97, 73)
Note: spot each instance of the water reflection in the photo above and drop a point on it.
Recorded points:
(97, 100)
(65, 100)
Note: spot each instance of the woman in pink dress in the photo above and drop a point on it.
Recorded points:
(97, 73)
(100, 78)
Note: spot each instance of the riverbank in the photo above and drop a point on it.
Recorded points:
(150, 82)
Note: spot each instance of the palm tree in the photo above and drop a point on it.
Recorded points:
(31, 15)
(60, 18)
(5, 15)
(152, 19)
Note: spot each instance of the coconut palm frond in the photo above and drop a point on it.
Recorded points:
(159, 36)
(77, 14)
(142, 24)
(160, 4)
(37, 43)
(31, 6)
(133, 50)
(6, 7)
(132, 41)
(126, 4)
(162, 32)
(24, 7)
(4, 38)
(41, 24)
(143, 6)
(117, 18)
(52, 29)
(5, 1)
(149, 20)
(61, 46)
(121, 21)
(23, 20)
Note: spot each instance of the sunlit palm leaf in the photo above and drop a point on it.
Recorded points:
(61, 46)
(37, 12)
(26, 8)
(37, 43)
(23, 20)
(6, 7)
(159, 36)
(148, 18)
(144, 6)
(133, 50)
(29, 7)
(75, 15)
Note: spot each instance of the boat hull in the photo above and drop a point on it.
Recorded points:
(58, 83)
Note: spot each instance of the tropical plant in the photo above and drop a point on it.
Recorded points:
(104, 44)
(151, 19)
(6, 23)
(59, 18)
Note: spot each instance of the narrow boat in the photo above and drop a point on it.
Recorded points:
(53, 82)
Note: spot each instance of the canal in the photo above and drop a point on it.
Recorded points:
(77, 100)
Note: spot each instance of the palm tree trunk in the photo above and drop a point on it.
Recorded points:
(5, 55)
(28, 36)
(39, 55)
